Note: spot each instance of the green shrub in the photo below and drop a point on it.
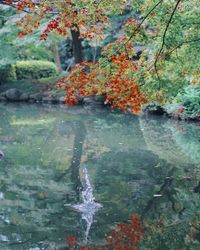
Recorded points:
(187, 103)
(190, 98)
(35, 69)
(7, 73)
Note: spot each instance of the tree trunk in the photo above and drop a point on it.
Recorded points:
(54, 49)
(77, 47)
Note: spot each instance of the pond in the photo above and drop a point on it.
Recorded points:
(75, 178)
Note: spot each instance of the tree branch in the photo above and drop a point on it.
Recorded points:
(181, 44)
(164, 35)
(140, 24)
(143, 19)
(174, 49)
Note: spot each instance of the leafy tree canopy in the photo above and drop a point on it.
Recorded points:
(167, 32)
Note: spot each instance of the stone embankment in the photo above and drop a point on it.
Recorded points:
(15, 95)
(93, 101)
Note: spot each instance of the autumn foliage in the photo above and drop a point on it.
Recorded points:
(91, 17)
(113, 76)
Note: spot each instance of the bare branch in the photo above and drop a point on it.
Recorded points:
(143, 19)
(140, 24)
(175, 49)
(164, 35)
(181, 44)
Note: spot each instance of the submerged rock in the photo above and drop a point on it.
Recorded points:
(62, 100)
(13, 95)
(154, 109)
(2, 99)
(50, 99)
(36, 97)
(1, 155)
(24, 97)
(94, 100)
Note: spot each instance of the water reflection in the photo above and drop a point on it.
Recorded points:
(79, 138)
(126, 236)
(89, 207)
(147, 167)
(79, 132)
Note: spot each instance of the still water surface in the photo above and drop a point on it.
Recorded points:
(74, 178)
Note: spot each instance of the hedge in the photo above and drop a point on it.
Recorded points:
(35, 69)
(7, 73)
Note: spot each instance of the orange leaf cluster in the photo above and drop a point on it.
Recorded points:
(117, 84)
(53, 25)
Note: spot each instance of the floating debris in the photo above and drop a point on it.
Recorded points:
(157, 195)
